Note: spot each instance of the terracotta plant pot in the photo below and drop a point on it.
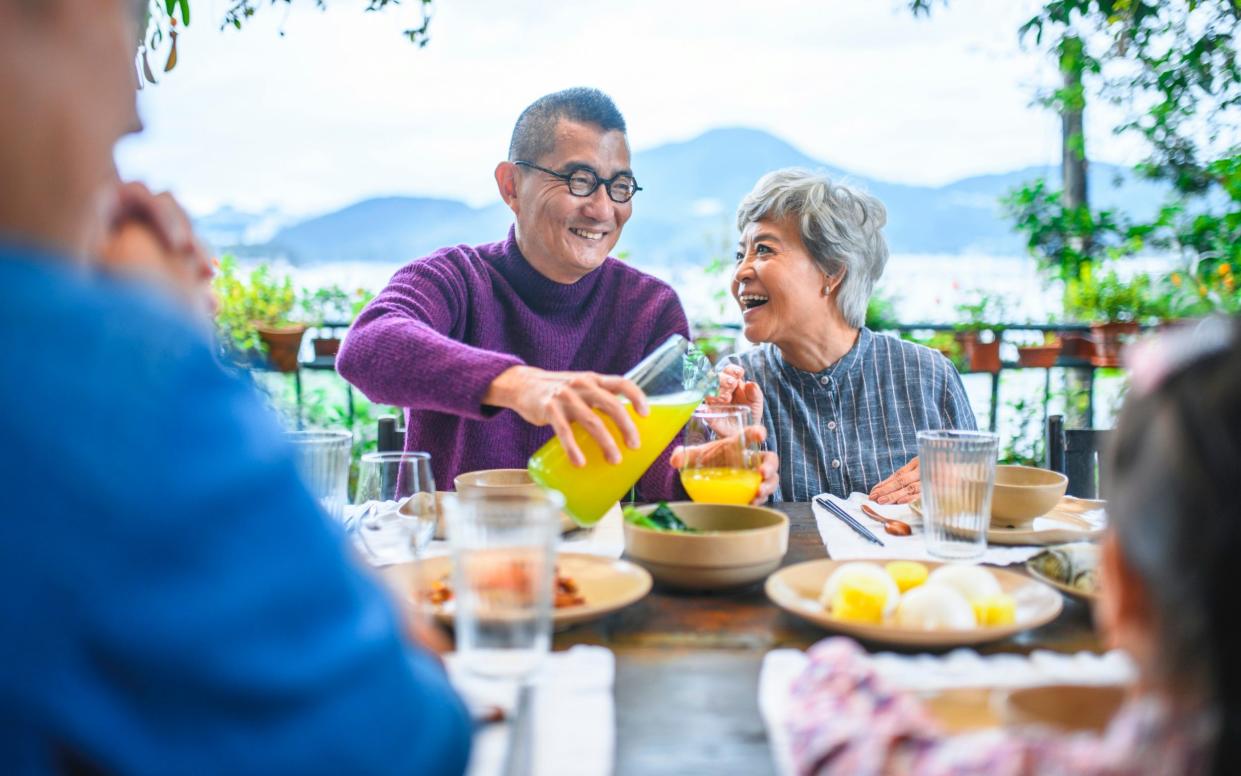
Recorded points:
(326, 346)
(1109, 341)
(1040, 356)
(1076, 345)
(283, 342)
(982, 356)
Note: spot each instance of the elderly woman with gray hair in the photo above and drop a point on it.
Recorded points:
(842, 405)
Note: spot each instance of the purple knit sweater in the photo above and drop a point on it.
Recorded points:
(450, 323)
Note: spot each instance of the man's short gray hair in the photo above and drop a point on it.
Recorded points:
(840, 226)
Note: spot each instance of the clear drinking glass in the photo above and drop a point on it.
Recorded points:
(718, 465)
(503, 560)
(958, 473)
(323, 460)
(401, 491)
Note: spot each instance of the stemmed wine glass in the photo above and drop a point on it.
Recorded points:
(398, 490)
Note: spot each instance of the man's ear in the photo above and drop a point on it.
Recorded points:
(506, 182)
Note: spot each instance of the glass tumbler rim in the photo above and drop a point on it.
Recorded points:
(552, 498)
(961, 435)
(721, 410)
(313, 435)
(395, 456)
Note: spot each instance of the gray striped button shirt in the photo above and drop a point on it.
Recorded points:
(848, 427)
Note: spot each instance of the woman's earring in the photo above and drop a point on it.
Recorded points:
(827, 290)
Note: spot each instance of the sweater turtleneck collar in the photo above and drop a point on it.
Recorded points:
(538, 291)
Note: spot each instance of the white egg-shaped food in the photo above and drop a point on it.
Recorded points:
(860, 570)
(935, 607)
(973, 582)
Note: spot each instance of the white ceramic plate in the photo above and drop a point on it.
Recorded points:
(796, 589)
(607, 584)
(1061, 525)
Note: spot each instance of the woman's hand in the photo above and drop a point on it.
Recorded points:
(723, 452)
(902, 487)
(735, 389)
(557, 399)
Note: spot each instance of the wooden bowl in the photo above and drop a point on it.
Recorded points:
(738, 545)
(1023, 493)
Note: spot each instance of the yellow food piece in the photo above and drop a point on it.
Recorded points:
(995, 610)
(906, 574)
(860, 599)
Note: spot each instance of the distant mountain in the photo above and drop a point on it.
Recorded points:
(686, 209)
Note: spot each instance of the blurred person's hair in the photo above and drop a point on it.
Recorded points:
(1173, 467)
(534, 135)
(840, 226)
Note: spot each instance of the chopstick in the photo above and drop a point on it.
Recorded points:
(848, 520)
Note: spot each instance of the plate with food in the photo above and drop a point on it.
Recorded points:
(914, 604)
(587, 586)
(1070, 520)
(1072, 569)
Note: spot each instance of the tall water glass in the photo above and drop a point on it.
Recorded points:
(504, 558)
(323, 460)
(401, 492)
(958, 474)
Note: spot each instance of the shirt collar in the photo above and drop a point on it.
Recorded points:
(847, 365)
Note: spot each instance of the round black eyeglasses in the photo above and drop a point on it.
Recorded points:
(583, 182)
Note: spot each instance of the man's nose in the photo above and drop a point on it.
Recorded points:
(599, 206)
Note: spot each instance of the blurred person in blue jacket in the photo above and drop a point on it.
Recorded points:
(172, 599)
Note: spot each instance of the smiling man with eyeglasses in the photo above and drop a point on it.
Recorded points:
(493, 348)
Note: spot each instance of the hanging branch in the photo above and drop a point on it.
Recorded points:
(165, 17)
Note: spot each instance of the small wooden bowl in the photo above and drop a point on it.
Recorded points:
(1023, 493)
(738, 545)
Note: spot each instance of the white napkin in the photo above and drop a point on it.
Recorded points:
(574, 718)
(961, 668)
(388, 544)
(843, 543)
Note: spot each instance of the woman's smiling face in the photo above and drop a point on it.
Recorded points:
(776, 283)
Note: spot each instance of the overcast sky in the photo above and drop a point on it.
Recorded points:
(342, 107)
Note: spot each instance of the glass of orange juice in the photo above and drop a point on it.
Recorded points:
(718, 464)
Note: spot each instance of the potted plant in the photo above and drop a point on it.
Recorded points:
(323, 306)
(1112, 306)
(1041, 355)
(255, 315)
(980, 332)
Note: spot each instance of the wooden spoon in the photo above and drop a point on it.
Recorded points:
(890, 525)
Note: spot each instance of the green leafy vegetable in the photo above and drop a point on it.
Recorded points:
(661, 519)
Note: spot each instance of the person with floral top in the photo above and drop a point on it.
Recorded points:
(1167, 597)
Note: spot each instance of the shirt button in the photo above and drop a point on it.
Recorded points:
(831, 425)
(835, 463)
(823, 380)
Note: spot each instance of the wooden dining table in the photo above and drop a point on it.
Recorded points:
(687, 667)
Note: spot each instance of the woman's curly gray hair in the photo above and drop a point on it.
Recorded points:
(840, 226)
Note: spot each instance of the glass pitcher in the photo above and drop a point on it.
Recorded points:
(675, 378)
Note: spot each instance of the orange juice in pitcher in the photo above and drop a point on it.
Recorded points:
(675, 378)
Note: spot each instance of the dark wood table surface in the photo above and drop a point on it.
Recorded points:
(687, 667)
